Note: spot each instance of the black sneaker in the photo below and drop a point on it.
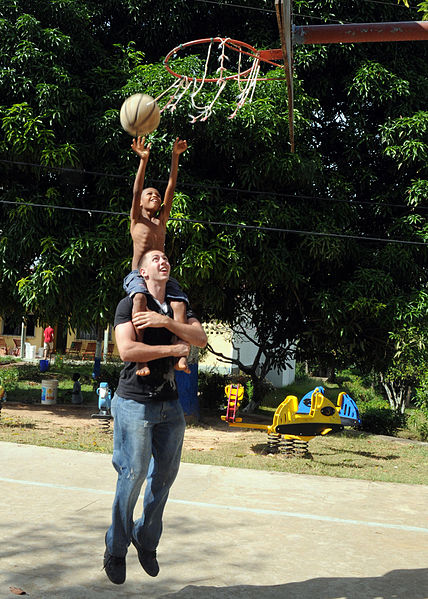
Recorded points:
(147, 559)
(115, 568)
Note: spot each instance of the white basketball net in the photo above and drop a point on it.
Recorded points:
(188, 85)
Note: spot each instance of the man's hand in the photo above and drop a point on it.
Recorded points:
(140, 149)
(180, 146)
(149, 319)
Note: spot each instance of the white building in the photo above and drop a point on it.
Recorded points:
(223, 340)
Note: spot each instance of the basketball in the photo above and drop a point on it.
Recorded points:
(139, 115)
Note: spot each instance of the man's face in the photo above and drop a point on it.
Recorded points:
(150, 199)
(155, 266)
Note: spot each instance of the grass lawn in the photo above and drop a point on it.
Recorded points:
(344, 455)
(350, 454)
(347, 455)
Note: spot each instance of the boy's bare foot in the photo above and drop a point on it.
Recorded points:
(142, 370)
(181, 364)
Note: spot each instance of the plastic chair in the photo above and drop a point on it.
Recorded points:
(16, 351)
(89, 350)
(74, 349)
(3, 347)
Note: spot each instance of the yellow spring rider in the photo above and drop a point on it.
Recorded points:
(296, 422)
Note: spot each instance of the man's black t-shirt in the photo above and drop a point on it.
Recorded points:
(159, 385)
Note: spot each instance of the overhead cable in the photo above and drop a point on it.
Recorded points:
(230, 225)
(248, 192)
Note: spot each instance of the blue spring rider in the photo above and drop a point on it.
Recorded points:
(104, 405)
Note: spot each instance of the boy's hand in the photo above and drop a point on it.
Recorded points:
(180, 146)
(142, 320)
(181, 348)
(140, 149)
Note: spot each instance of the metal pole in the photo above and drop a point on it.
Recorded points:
(105, 346)
(23, 337)
(284, 18)
(404, 31)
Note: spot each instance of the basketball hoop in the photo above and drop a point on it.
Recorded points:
(219, 51)
(247, 73)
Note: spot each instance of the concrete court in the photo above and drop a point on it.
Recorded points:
(228, 534)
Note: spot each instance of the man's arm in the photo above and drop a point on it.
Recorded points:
(143, 152)
(180, 146)
(192, 331)
(131, 350)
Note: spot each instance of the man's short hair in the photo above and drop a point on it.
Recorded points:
(143, 258)
(141, 262)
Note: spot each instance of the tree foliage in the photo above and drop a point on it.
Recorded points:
(239, 236)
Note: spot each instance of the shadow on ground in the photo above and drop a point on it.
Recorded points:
(65, 410)
(398, 584)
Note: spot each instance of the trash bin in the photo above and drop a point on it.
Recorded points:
(187, 387)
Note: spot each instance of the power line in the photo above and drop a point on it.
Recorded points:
(395, 5)
(276, 194)
(64, 169)
(236, 6)
(302, 232)
(71, 208)
(230, 225)
(268, 10)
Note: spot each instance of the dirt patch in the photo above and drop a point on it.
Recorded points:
(209, 433)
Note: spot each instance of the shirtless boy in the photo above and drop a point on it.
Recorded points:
(148, 230)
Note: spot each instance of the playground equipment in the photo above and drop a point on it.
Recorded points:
(296, 422)
(104, 405)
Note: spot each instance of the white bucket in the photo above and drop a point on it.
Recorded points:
(30, 351)
(49, 391)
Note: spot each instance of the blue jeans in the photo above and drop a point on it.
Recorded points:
(147, 444)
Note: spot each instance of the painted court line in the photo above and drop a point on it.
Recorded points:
(247, 510)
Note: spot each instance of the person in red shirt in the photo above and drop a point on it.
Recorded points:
(48, 337)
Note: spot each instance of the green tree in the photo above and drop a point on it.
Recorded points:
(359, 171)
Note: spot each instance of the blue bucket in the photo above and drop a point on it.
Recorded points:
(44, 365)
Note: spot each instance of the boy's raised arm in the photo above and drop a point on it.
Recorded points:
(180, 146)
(143, 152)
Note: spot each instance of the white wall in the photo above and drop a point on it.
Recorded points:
(220, 338)
(246, 350)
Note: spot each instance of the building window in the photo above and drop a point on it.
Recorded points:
(90, 335)
(13, 327)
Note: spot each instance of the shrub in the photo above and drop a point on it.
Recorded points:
(421, 395)
(378, 418)
(300, 373)
(109, 374)
(359, 392)
(417, 423)
(211, 386)
(31, 372)
(9, 378)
